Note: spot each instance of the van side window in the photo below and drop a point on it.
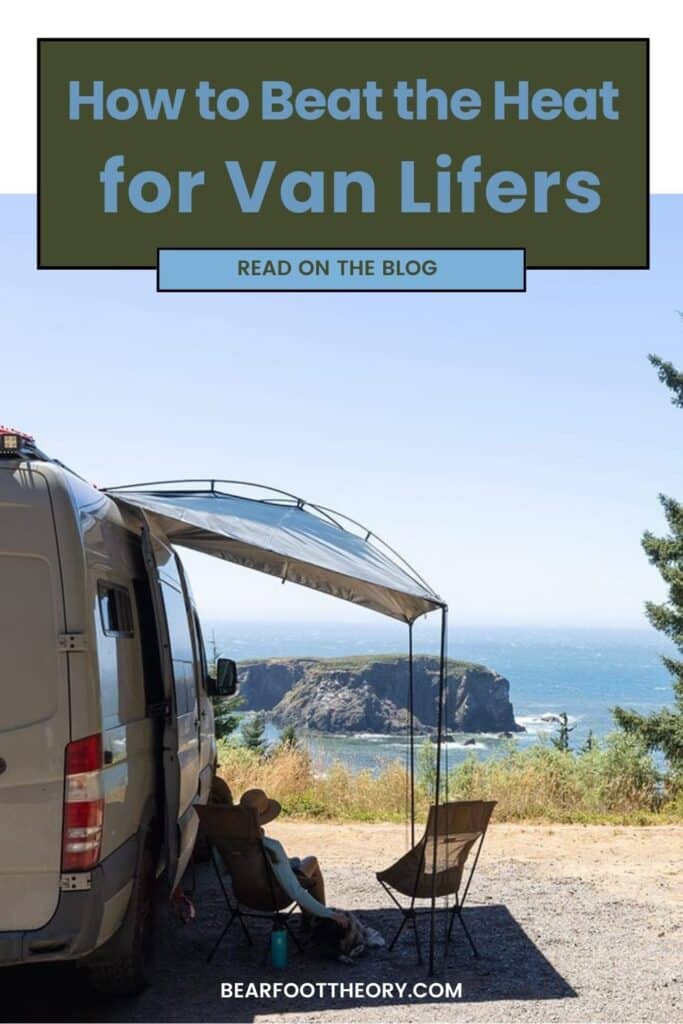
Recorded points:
(202, 652)
(149, 643)
(121, 692)
(181, 648)
(115, 610)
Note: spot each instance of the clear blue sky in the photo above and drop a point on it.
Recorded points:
(511, 446)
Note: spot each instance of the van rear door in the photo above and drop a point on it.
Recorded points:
(34, 709)
(181, 718)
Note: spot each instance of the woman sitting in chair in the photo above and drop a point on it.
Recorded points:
(301, 878)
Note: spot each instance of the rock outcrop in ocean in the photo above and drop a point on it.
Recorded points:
(370, 694)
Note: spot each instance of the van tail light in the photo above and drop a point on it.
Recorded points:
(83, 804)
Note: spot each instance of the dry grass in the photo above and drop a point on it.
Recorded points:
(306, 790)
(614, 783)
(286, 773)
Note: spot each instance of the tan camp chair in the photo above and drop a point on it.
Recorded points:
(234, 834)
(461, 826)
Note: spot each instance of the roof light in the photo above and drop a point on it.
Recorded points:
(16, 444)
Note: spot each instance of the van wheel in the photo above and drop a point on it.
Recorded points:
(123, 968)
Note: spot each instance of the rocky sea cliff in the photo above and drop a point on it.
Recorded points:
(369, 693)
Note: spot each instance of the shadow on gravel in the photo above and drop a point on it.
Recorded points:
(186, 988)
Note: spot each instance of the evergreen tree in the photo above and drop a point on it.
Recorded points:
(589, 743)
(225, 717)
(289, 737)
(561, 741)
(213, 654)
(663, 730)
(253, 732)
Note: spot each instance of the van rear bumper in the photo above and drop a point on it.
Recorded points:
(75, 926)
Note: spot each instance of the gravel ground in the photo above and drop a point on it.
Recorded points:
(553, 949)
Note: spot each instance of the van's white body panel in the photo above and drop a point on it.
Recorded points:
(34, 709)
(63, 547)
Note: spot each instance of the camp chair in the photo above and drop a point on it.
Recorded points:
(461, 825)
(235, 835)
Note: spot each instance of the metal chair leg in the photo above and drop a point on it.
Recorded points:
(220, 939)
(467, 933)
(234, 910)
(404, 921)
(408, 915)
(450, 923)
(219, 875)
(293, 937)
(247, 933)
(417, 940)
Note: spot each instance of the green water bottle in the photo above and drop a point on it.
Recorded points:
(278, 948)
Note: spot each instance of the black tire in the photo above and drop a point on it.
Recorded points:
(123, 966)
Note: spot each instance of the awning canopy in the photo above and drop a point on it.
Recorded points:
(287, 537)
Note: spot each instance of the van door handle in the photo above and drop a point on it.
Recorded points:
(160, 710)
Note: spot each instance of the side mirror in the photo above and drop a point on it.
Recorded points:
(225, 683)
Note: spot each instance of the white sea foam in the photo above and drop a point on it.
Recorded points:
(373, 737)
(540, 722)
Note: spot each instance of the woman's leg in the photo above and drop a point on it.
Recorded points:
(312, 878)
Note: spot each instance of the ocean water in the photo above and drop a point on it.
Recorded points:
(581, 671)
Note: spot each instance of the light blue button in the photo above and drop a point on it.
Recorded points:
(313, 270)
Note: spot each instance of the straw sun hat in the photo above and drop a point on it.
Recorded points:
(256, 800)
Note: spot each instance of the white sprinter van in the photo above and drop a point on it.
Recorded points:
(106, 723)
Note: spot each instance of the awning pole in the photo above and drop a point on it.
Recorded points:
(411, 712)
(437, 785)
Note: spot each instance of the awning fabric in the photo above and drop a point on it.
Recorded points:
(288, 541)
